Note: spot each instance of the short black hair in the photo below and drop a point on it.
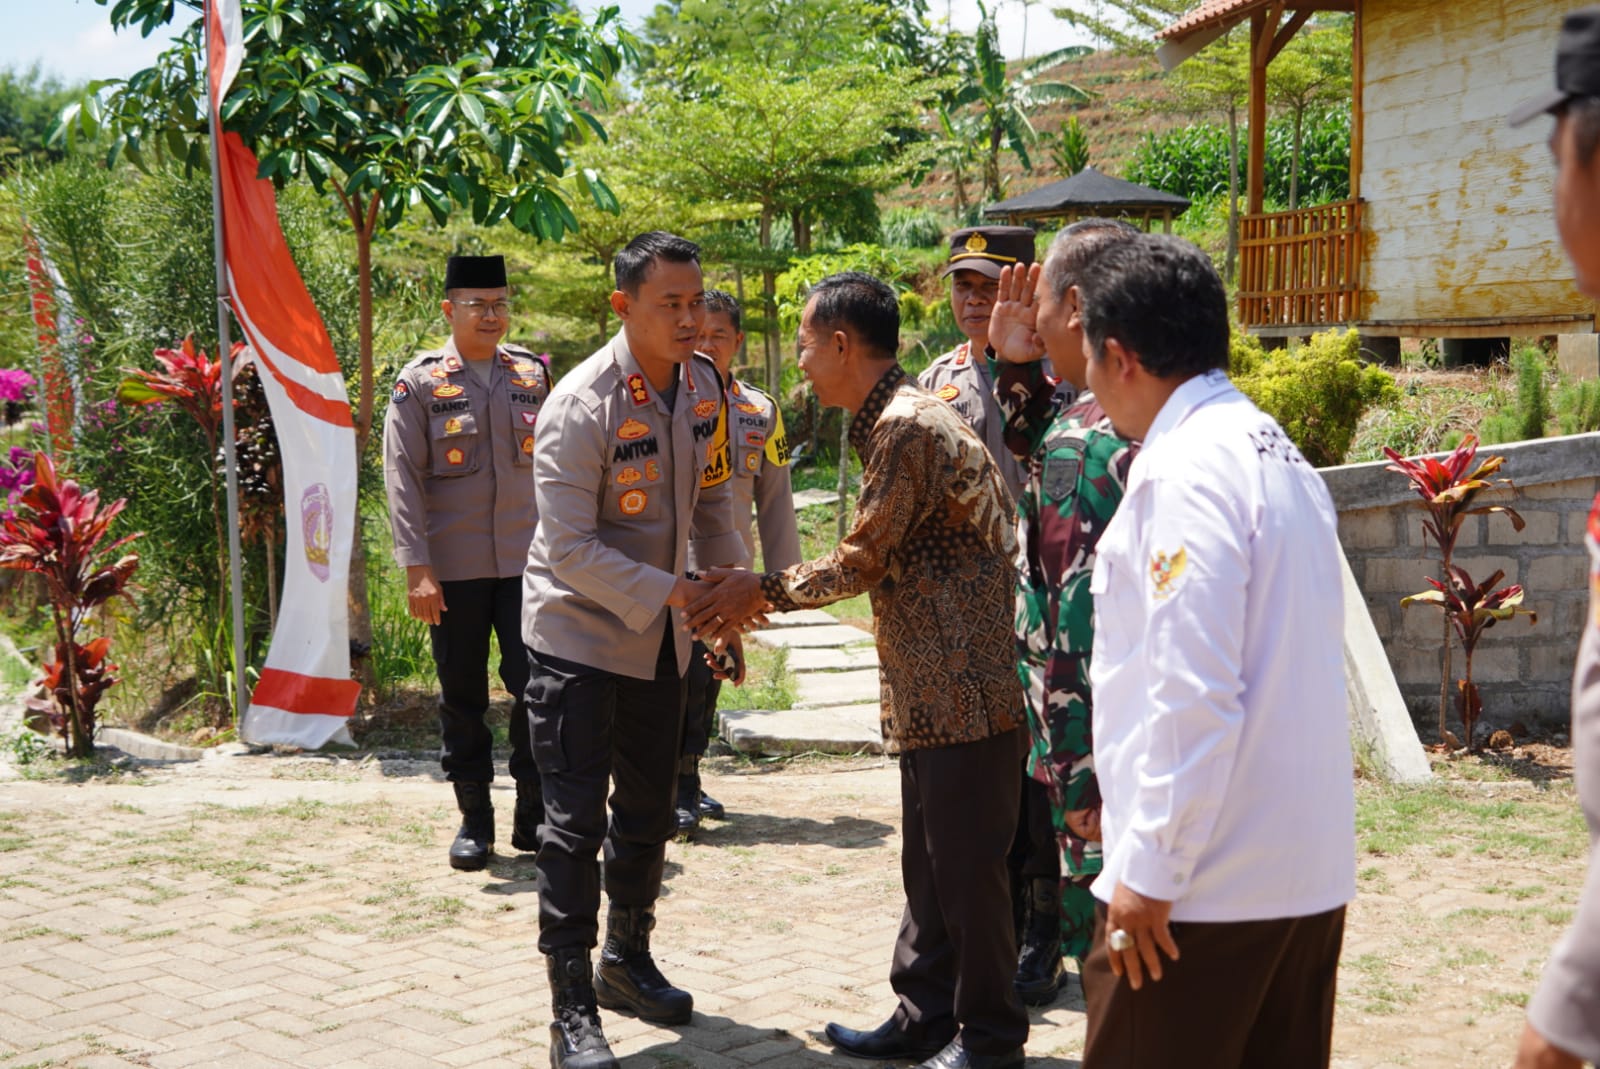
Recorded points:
(1161, 297)
(867, 306)
(1076, 246)
(632, 263)
(1584, 114)
(726, 303)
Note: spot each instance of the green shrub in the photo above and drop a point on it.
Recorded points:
(913, 228)
(1316, 392)
(1578, 407)
(1528, 413)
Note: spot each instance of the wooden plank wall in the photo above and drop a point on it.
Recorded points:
(1458, 211)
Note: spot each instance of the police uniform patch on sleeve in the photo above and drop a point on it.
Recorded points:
(401, 392)
(778, 440)
(1166, 572)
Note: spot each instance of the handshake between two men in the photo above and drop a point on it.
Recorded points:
(725, 603)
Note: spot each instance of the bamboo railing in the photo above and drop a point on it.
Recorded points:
(1300, 268)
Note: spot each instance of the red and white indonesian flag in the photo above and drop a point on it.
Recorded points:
(305, 695)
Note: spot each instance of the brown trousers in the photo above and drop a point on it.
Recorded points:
(1243, 995)
(956, 955)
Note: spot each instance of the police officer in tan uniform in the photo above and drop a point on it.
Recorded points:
(762, 495)
(625, 478)
(961, 377)
(458, 468)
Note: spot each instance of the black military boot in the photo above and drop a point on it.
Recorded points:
(709, 808)
(688, 803)
(1039, 959)
(627, 977)
(475, 841)
(528, 816)
(576, 1041)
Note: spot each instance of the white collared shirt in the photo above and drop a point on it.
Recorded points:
(1220, 726)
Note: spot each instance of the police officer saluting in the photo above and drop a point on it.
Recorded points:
(458, 468)
(961, 377)
(623, 488)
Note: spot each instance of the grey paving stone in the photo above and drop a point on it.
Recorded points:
(828, 729)
(819, 689)
(800, 618)
(832, 660)
(822, 635)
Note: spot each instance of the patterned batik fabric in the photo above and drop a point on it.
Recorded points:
(1077, 472)
(932, 543)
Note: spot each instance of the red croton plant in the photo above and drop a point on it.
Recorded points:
(1449, 489)
(61, 533)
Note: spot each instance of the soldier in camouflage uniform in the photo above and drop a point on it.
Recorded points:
(1077, 468)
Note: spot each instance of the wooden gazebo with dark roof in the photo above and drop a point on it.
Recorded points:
(1090, 193)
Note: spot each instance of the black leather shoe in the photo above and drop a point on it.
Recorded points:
(711, 809)
(955, 1056)
(627, 977)
(883, 1042)
(1038, 978)
(528, 816)
(474, 840)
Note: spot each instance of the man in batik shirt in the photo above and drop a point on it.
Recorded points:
(1076, 468)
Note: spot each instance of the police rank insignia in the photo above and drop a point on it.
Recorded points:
(452, 425)
(448, 389)
(631, 429)
(401, 392)
(633, 502)
(1166, 571)
(705, 408)
(455, 456)
(439, 373)
(962, 353)
(452, 363)
(628, 476)
(948, 392)
(636, 389)
(652, 470)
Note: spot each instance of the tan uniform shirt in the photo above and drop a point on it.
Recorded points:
(932, 541)
(624, 485)
(962, 379)
(761, 488)
(458, 462)
(1566, 1008)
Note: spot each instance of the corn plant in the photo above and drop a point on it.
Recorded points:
(61, 533)
(1448, 489)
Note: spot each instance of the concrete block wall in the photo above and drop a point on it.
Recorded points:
(1523, 672)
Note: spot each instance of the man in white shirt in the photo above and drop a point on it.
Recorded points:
(1219, 719)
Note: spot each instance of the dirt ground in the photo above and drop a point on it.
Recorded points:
(297, 910)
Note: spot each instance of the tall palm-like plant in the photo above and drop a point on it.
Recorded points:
(1003, 101)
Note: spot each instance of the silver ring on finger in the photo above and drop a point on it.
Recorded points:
(1119, 940)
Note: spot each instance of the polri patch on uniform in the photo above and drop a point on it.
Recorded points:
(527, 445)
(448, 389)
(401, 392)
(752, 461)
(1166, 572)
(948, 392)
(455, 456)
(529, 418)
(628, 476)
(439, 373)
(631, 429)
(641, 396)
(1060, 476)
(452, 363)
(652, 470)
(748, 409)
(452, 425)
(961, 355)
(633, 502)
(525, 384)
(705, 408)
(522, 367)
(754, 438)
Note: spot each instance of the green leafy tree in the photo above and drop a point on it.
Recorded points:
(387, 104)
(29, 103)
(1312, 73)
(1126, 25)
(1218, 81)
(1003, 101)
(769, 148)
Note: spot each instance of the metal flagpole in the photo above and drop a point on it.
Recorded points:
(230, 460)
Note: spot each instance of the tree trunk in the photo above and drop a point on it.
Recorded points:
(1294, 161)
(356, 599)
(991, 166)
(769, 306)
(1233, 192)
(802, 232)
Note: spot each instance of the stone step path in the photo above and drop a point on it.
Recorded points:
(836, 708)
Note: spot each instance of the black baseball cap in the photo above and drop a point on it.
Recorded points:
(1577, 66)
(986, 249)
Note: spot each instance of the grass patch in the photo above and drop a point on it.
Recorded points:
(1445, 818)
(768, 682)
